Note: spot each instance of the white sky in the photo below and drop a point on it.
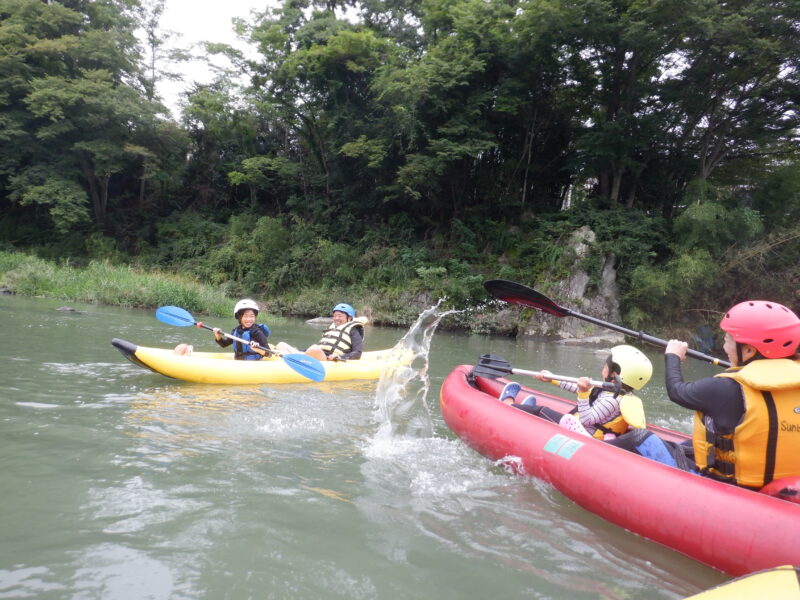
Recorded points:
(196, 21)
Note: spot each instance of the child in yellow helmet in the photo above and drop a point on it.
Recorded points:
(599, 413)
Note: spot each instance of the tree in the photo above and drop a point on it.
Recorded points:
(73, 103)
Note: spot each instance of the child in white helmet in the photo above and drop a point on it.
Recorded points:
(256, 334)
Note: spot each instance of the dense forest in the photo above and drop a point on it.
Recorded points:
(407, 147)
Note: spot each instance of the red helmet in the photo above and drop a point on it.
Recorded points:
(769, 327)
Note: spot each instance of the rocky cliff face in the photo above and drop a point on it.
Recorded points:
(601, 302)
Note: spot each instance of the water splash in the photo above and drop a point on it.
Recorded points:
(401, 407)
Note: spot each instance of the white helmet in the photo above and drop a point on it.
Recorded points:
(244, 304)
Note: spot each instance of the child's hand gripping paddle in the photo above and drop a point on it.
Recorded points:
(492, 366)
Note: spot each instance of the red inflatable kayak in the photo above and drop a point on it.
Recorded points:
(725, 527)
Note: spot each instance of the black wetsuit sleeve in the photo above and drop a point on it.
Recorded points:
(224, 341)
(718, 397)
(257, 335)
(357, 338)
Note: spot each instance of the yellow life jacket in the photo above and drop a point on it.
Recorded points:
(336, 340)
(631, 416)
(765, 445)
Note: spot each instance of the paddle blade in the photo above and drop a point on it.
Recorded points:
(306, 365)
(174, 315)
(491, 366)
(516, 293)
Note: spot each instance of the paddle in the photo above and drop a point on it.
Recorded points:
(516, 293)
(492, 366)
(307, 366)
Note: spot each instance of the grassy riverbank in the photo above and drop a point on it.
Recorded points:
(124, 285)
(102, 283)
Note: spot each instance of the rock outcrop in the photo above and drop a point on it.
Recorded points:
(575, 292)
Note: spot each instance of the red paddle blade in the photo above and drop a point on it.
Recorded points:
(516, 293)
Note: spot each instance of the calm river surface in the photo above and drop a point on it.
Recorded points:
(121, 483)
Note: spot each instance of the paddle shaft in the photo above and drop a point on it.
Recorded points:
(592, 382)
(639, 335)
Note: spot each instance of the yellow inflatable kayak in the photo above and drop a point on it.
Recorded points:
(780, 583)
(220, 367)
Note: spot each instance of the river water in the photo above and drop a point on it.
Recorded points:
(121, 483)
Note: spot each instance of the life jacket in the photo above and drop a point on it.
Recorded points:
(619, 424)
(765, 445)
(244, 351)
(336, 340)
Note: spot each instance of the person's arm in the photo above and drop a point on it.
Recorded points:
(220, 338)
(720, 398)
(569, 386)
(603, 409)
(358, 345)
(258, 336)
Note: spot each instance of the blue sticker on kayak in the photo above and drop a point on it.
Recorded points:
(555, 442)
(570, 448)
(562, 445)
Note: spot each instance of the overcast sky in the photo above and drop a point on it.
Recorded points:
(196, 21)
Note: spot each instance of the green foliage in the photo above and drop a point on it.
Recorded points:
(431, 277)
(65, 201)
(631, 237)
(659, 294)
(466, 240)
(185, 238)
(103, 283)
(103, 248)
(712, 227)
(777, 196)
(412, 149)
(253, 249)
(73, 112)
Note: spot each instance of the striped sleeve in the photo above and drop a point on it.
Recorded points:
(568, 386)
(604, 409)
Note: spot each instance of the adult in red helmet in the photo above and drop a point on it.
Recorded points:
(747, 419)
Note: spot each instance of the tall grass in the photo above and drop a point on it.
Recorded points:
(103, 283)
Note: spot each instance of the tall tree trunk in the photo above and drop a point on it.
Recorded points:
(616, 185)
(527, 152)
(103, 197)
(143, 182)
(88, 174)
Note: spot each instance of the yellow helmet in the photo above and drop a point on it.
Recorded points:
(635, 369)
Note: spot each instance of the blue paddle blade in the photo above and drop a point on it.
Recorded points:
(175, 315)
(306, 365)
